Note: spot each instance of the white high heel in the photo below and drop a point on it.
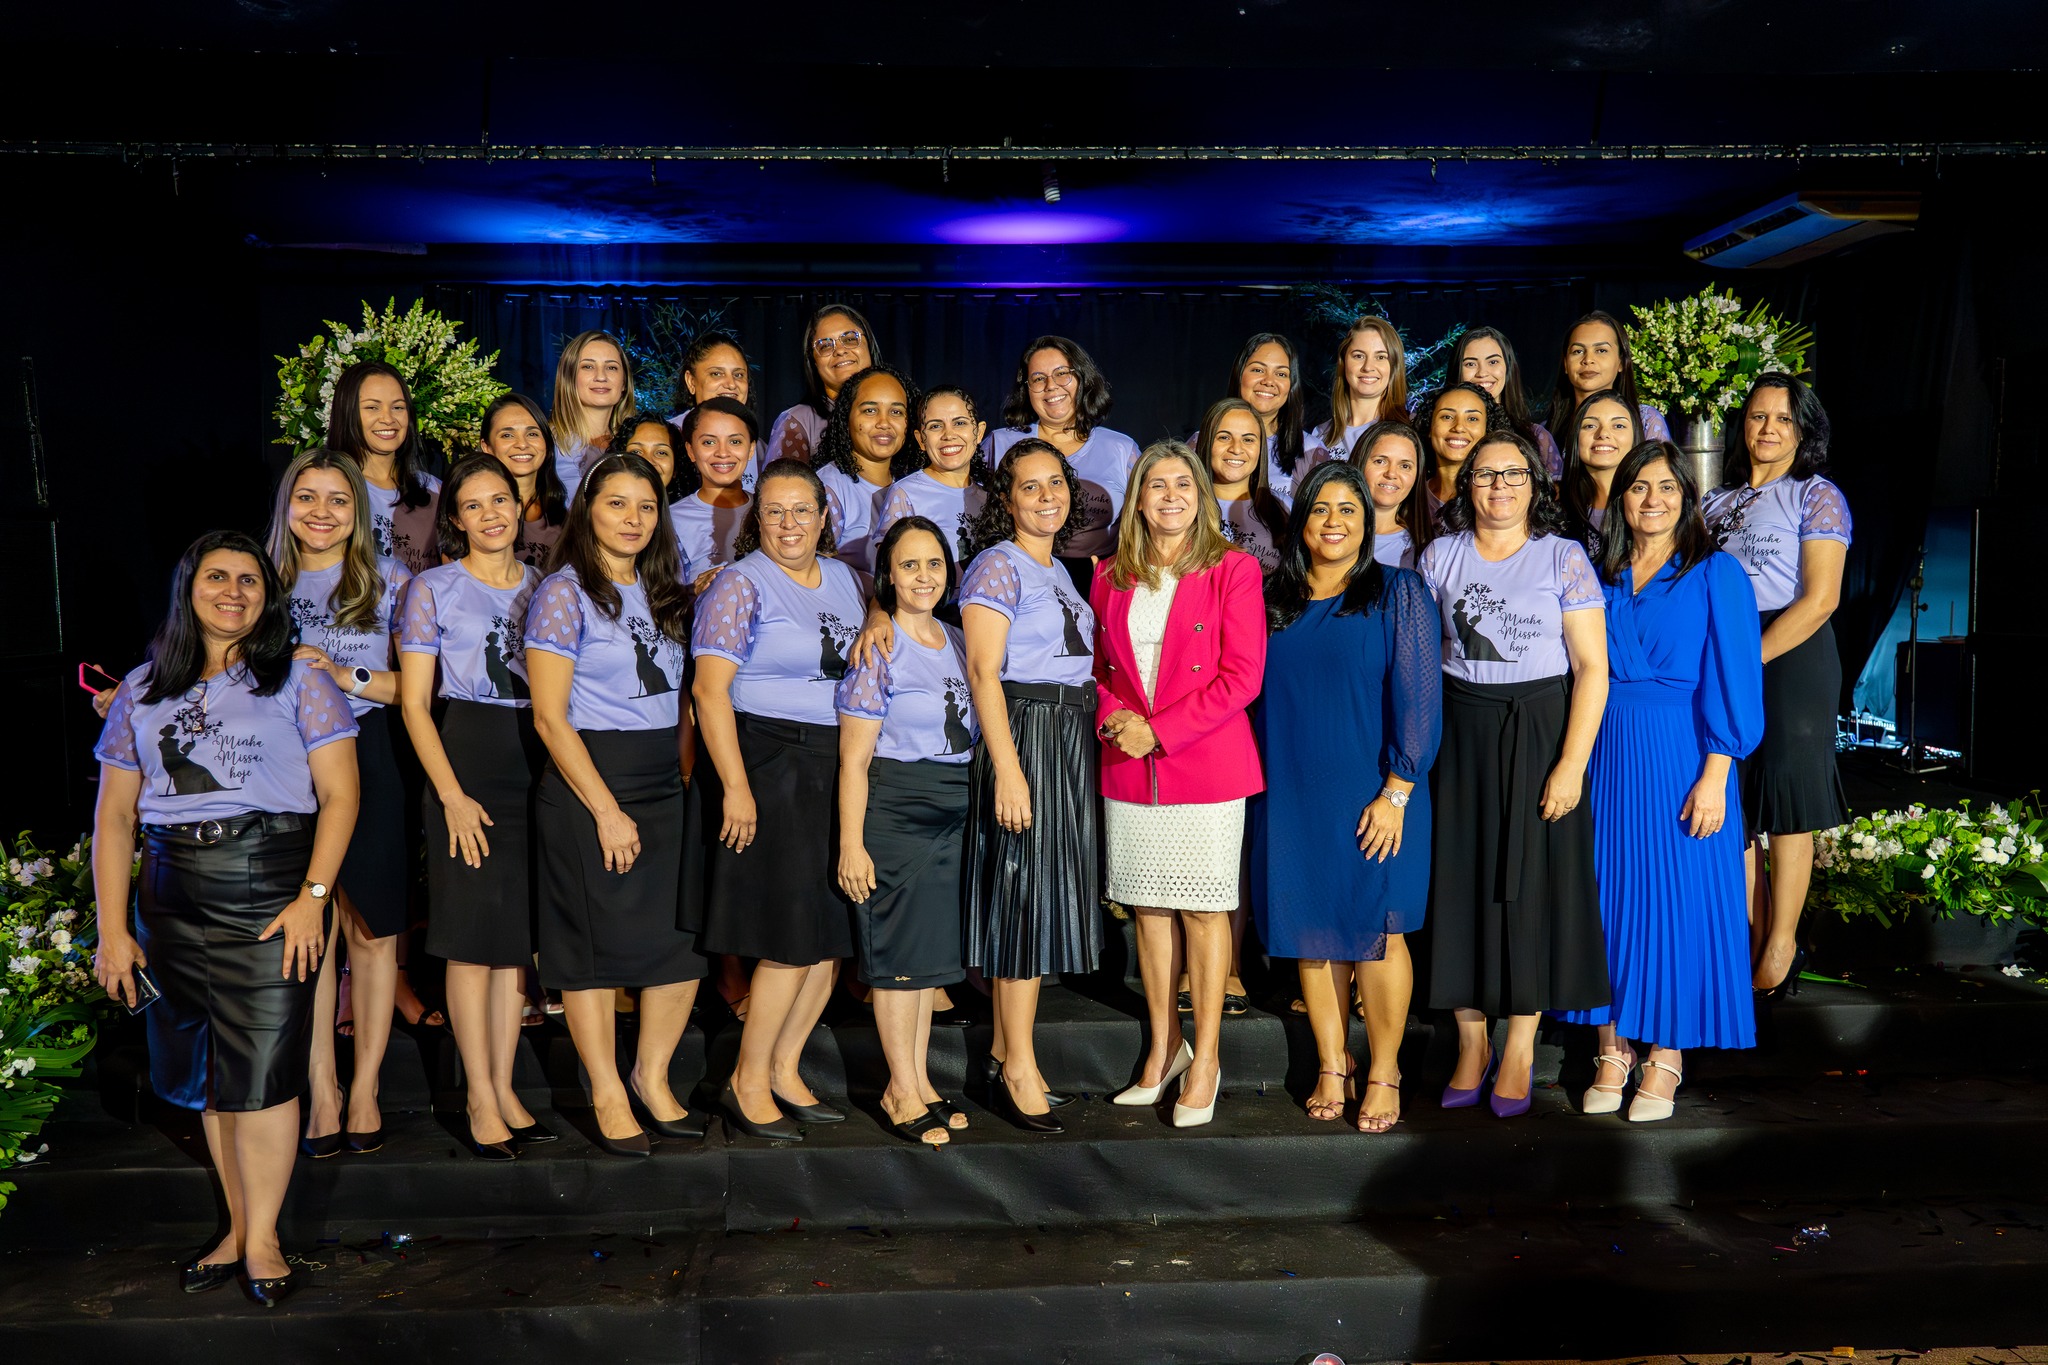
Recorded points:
(1149, 1094)
(1185, 1116)
(1646, 1108)
(1606, 1099)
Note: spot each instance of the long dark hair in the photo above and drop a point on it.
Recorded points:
(885, 589)
(1091, 391)
(1514, 398)
(1807, 413)
(547, 480)
(623, 434)
(749, 538)
(448, 532)
(1564, 399)
(994, 524)
(658, 566)
(345, 428)
(1546, 514)
(915, 457)
(1692, 542)
(1287, 423)
(1271, 512)
(178, 651)
(814, 387)
(1287, 586)
(1578, 487)
(689, 479)
(836, 445)
(1496, 420)
(1413, 515)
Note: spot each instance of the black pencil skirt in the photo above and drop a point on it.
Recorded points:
(599, 929)
(910, 928)
(373, 872)
(484, 915)
(231, 1033)
(1791, 785)
(1514, 918)
(778, 898)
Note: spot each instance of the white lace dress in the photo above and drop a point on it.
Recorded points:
(1184, 857)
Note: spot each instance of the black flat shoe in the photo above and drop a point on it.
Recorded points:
(532, 1133)
(320, 1148)
(1235, 1005)
(272, 1292)
(636, 1145)
(689, 1128)
(915, 1129)
(809, 1113)
(1185, 1000)
(362, 1144)
(1006, 1105)
(955, 1017)
(199, 1276)
(775, 1130)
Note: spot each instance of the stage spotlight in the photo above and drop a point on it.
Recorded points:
(1049, 181)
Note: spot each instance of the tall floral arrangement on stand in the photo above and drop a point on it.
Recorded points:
(48, 995)
(1699, 355)
(451, 385)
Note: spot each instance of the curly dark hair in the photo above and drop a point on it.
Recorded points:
(749, 538)
(1496, 419)
(658, 565)
(1546, 513)
(914, 458)
(1091, 391)
(1807, 414)
(688, 479)
(836, 445)
(1287, 586)
(704, 344)
(995, 524)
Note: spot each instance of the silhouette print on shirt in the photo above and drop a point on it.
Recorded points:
(834, 636)
(1477, 648)
(646, 641)
(958, 739)
(504, 682)
(185, 775)
(307, 614)
(1075, 646)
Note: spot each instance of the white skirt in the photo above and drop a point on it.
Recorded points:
(1174, 857)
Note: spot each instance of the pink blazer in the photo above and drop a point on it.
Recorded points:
(1211, 667)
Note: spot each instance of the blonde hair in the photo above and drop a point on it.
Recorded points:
(1205, 545)
(1393, 403)
(361, 588)
(566, 420)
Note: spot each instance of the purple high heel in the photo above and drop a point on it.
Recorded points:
(1507, 1109)
(1455, 1098)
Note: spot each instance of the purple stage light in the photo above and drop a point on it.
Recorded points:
(1030, 227)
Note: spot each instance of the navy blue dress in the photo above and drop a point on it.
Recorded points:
(1349, 701)
(1686, 680)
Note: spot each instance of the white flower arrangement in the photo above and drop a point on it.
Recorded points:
(1699, 355)
(1950, 860)
(451, 386)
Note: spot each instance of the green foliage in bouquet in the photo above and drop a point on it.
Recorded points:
(1699, 355)
(1952, 861)
(451, 386)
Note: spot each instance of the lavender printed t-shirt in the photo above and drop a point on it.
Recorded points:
(220, 750)
(921, 495)
(406, 534)
(1052, 631)
(853, 502)
(1395, 549)
(1243, 528)
(1764, 528)
(1504, 622)
(796, 435)
(312, 612)
(789, 641)
(1103, 465)
(477, 631)
(627, 672)
(920, 696)
(536, 542)
(704, 534)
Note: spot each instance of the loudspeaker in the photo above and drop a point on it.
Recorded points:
(2008, 743)
(1940, 704)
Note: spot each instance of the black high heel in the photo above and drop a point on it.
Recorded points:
(1006, 1105)
(1788, 985)
(778, 1129)
(532, 1133)
(809, 1113)
(689, 1128)
(992, 1079)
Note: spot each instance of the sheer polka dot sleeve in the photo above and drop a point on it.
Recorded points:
(1428, 568)
(895, 507)
(864, 691)
(555, 620)
(420, 633)
(992, 582)
(1415, 679)
(1824, 513)
(727, 616)
(116, 748)
(1578, 585)
(323, 709)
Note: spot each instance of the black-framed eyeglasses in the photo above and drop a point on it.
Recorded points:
(1486, 478)
(848, 340)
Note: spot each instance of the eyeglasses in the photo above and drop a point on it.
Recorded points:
(801, 515)
(850, 341)
(1486, 478)
(1063, 376)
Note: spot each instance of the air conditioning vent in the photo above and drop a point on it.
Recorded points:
(1800, 227)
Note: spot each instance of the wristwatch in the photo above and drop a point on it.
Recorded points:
(1398, 800)
(318, 890)
(359, 678)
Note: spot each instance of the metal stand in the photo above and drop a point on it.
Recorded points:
(1912, 758)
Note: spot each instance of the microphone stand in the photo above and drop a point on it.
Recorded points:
(1913, 758)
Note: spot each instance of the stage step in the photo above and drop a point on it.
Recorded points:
(1569, 1283)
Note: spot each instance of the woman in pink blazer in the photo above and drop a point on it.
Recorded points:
(1180, 654)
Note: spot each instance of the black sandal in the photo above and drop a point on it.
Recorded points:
(916, 1128)
(946, 1110)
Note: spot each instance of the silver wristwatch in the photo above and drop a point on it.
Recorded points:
(1398, 800)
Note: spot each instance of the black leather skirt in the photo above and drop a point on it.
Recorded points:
(231, 1032)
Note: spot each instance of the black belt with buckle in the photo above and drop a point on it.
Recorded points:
(210, 832)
